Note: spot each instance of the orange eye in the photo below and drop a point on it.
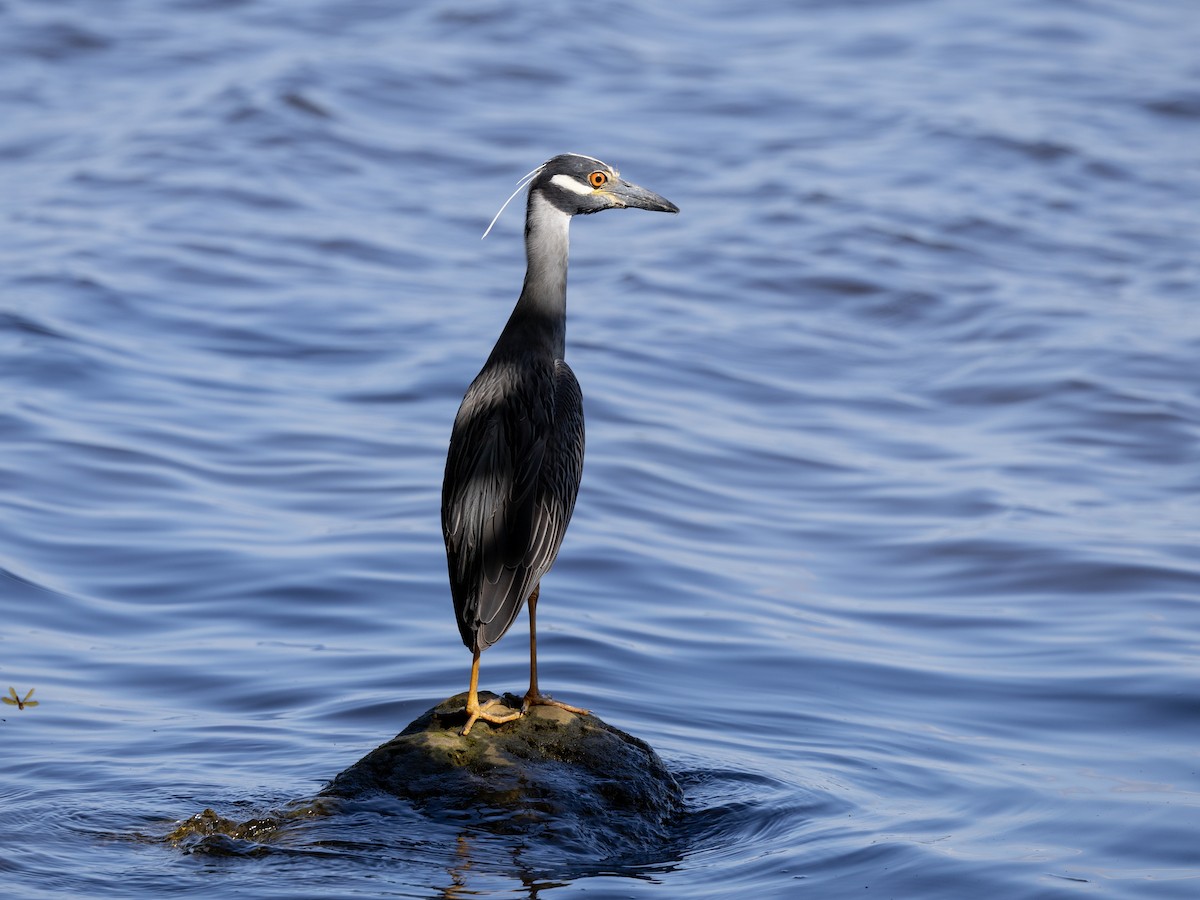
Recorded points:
(598, 179)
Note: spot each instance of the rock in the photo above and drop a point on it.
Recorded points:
(209, 832)
(554, 788)
(575, 779)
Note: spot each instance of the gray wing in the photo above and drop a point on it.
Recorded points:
(512, 476)
(561, 473)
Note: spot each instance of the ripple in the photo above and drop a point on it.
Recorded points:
(888, 524)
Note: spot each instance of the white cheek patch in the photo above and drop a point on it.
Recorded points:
(570, 184)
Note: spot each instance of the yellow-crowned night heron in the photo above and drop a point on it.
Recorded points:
(516, 451)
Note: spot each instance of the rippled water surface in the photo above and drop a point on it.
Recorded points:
(889, 536)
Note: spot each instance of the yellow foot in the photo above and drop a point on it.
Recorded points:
(482, 712)
(540, 699)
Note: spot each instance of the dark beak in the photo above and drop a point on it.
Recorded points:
(626, 194)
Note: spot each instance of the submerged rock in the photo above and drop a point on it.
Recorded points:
(574, 778)
(210, 832)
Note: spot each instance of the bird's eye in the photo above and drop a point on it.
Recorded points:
(598, 179)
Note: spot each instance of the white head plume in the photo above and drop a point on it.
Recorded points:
(521, 185)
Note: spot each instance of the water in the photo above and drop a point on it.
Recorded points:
(888, 537)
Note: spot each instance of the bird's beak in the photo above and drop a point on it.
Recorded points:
(625, 194)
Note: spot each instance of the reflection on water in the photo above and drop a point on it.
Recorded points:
(887, 534)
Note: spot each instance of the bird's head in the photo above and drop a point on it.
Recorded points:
(573, 184)
(578, 185)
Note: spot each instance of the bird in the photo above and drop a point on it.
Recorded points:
(515, 458)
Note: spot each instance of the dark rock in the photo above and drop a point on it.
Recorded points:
(209, 832)
(561, 793)
(575, 779)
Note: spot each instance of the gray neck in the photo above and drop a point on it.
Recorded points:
(539, 321)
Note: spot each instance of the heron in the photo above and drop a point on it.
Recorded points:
(516, 449)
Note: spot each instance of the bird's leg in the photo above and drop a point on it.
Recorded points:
(533, 696)
(475, 711)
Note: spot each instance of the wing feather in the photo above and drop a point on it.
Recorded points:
(512, 476)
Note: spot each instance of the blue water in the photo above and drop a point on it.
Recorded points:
(889, 535)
